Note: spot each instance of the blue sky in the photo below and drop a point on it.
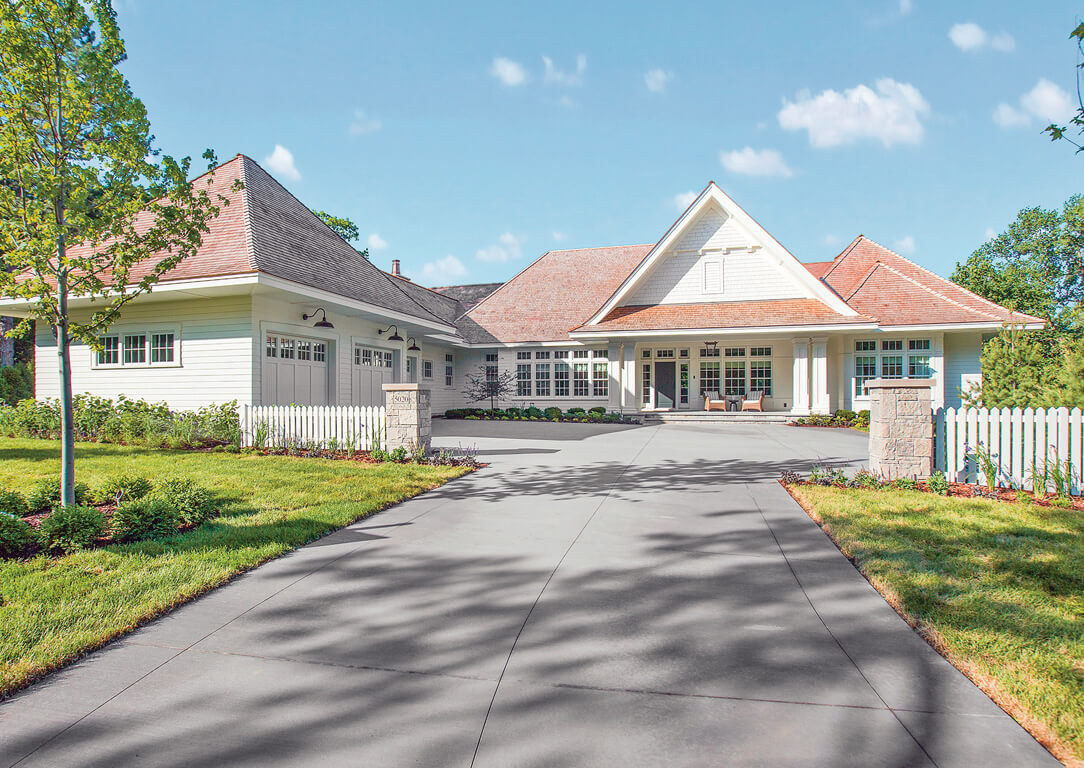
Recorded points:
(468, 139)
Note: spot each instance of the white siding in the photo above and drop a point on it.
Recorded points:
(215, 350)
(963, 363)
(679, 275)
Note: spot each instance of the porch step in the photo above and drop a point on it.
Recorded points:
(717, 417)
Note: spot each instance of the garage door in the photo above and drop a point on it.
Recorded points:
(372, 367)
(294, 371)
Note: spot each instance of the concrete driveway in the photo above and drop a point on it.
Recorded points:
(599, 596)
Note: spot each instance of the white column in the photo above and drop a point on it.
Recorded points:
(821, 401)
(617, 379)
(800, 393)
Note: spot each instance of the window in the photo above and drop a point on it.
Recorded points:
(603, 354)
(892, 366)
(710, 351)
(760, 376)
(646, 397)
(892, 345)
(664, 354)
(709, 377)
(427, 369)
(579, 380)
(304, 349)
(683, 353)
(286, 349)
(579, 353)
(600, 380)
(319, 352)
(162, 348)
(491, 357)
(713, 277)
(387, 358)
(865, 346)
(560, 354)
(110, 354)
(373, 358)
(646, 354)
(272, 347)
(523, 355)
(918, 367)
(449, 370)
(734, 377)
(491, 366)
(560, 379)
(363, 356)
(734, 352)
(920, 345)
(523, 380)
(542, 379)
(684, 383)
(542, 354)
(865, 368)
(135, 349)
(760, 352)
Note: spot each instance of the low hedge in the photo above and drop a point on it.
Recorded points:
(70, 529)
(597, 415)
(841, 418)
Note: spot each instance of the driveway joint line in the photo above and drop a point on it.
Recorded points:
(553, 573)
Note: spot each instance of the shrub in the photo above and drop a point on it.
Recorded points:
(827, 476)
(1062, 502)
(399, 455)
(494, 413)
(16, 536)
(844, 416)
(122, 488)
(938, 483)
(70, 529)
(905, 484)
(861, 419)
(552, 413)
(1023, 497)
(455, 413)
(192, 502)
(16, 383)
(515, 413)
(863, 478)
(533, 413)
(147, 518)
(573, 412)
(46, 495)
(379, 454)
(13, 503)
(598, 410)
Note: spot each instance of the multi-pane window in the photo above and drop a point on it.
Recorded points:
(892, 366)
(491, 366)
(449, 370)
(560, 379)
(304, 349)
(664, 354)
(560, 354)
(542, 379)
(162, 348)
(110, 353)
(760, 376)
(709, 377)
(286, 349)
(601, 354)
(684, 383)
(319, 352)
(272, 346)
(600, 381)
(760, 352)
(734, 377)
(646, 397)
(580, 386)
(427, 369)
(580, 353)
(683, 353)
(523, 380)
(542, 354)
(918, 359)
(892, 345)
(523, 355)
(135, 348)
(646, 354)
(371, 358)
(865, 366)
(734, 352)
(709, 351)
(363, 356)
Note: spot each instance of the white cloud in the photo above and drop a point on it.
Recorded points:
(683, 200)
(507, 248)
(970, 37)
(832, 240)
(508, 72)
(904, 245)
(557, 76)
(1003, 42)
(362, 125)
(1046, 102)
(559, 237)
(656, 80)
(890, 114)
(281, 162)
(906, 6)
(443, 271)
(755, 162)
(376, 242)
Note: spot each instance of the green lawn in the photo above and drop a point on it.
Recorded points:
(998, 588)
(52, 611)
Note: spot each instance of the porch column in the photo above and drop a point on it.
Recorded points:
(821, 401)
(616, 373)
(628, 380)
(800, 393)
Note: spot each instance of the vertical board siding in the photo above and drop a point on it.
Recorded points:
(1029, 448)
(346, 427)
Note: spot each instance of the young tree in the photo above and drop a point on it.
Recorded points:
(489, 385)
(88, 208)
(343, 227)
(1017, 372)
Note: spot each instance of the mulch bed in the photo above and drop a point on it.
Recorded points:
(967, 491)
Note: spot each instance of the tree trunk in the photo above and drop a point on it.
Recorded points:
(67, 417)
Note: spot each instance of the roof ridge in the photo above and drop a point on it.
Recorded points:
(862, 280)
(842, 255)
(599, 248)
(940, 295)
(246, 215)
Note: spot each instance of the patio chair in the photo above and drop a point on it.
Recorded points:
(754, 402)
(713, 401)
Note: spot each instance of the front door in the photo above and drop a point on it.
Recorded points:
(412, 369)
(665, 385)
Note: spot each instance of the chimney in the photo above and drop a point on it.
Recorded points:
(395, 267)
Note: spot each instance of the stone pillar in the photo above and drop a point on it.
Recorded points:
(900, 428)
(410, 417)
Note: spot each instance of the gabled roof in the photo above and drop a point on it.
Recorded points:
(880, 283)
(444, 307)
(555, 294)
(468, 295)
(723, 315)
(266, 229)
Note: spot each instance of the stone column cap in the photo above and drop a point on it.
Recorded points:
(403, 387)
(897, 384)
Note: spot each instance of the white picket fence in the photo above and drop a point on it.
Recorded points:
(1025, 444)
(313, 426)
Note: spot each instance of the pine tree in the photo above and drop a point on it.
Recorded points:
(1017, 373)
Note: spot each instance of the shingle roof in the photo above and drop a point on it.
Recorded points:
(555, 294)
(725, 314)
(444, 307)
(468, 295)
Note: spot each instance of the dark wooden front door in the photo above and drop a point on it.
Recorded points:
(665, 388)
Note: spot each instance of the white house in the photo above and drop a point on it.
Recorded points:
(275, 308)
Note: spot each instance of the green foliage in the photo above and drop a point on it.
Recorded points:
(192, 502)
(598, 410)
(515, 413)
(534, 413)
(398, 455)
(863, 478)
(938, 483)
(552, 413)
(1071, 379)
(825, 475)
(121, 488)
(379, 454)
(16, 383)
(905, 484)
(147, 518)
(16, 536)
(1058, 132)
(13, 503)
(986, 461)
(343, 227)
(70, 529)
(45, 494)
(1017, 372)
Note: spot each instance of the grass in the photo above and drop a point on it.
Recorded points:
(997, 588)
(54, 610)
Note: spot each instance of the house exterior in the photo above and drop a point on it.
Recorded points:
(275, 308)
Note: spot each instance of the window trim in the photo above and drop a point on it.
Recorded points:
(148, 331)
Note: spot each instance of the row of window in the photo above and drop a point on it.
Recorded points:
(372, 358)
(578, 379)
(886, 360)
(707, 351)
(288, 348)
(138, 349)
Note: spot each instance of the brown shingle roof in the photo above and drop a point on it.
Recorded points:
(555, 294)
(724, 314)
